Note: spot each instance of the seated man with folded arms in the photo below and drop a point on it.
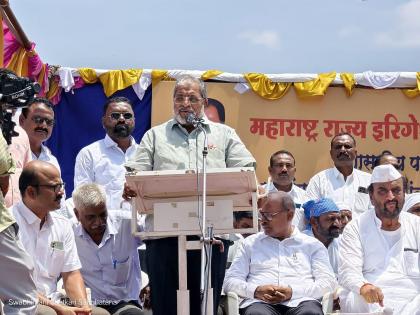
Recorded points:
(379, 252)
(325, 221)
(49, 239)
(107, 251)
(280, 270)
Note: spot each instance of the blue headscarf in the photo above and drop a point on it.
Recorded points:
(315, 208)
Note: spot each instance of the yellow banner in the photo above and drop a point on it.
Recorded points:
(378, 119)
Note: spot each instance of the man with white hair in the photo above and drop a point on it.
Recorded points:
(379, 252)
(107, 251)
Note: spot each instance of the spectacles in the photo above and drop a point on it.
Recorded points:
(193, 100)
(268, 216)
(116, 116)
(281, 165)
(40, 120)
(57, 187)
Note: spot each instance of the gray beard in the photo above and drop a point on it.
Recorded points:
(180, 120)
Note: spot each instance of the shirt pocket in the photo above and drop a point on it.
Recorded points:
(55, 262)
(411, 263)
(117, 273)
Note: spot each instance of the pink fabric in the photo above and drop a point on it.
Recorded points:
(35, 64)
(11, 45)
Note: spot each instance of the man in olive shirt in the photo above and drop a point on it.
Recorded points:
(17, 288)
(172, 146)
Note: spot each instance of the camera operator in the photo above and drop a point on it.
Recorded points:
(17, 289)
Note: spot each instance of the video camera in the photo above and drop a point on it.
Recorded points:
(15, 92)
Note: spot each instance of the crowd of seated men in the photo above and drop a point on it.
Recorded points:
(352, 234)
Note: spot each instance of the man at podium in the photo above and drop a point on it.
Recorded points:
(172, 146)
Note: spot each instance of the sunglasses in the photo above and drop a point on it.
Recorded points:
(116, 116)
(40, 120)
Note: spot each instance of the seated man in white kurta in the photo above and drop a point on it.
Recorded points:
(379, 252)
(281, 270)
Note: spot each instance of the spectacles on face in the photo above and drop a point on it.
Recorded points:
(40, 120)
(268, 216)
(116, 116)
(57, 187)
(191, 99)
(289, 166)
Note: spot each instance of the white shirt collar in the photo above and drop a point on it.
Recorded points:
(272, 187)
(110, 230)
(338, 174)
(111, 143)
(30, 217)
(294, 236)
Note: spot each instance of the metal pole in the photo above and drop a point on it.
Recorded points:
(14, 25)
(206, 247)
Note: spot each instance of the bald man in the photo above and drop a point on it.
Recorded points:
(49, 239)
(280, 270)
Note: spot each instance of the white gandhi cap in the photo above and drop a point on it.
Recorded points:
(384, 173)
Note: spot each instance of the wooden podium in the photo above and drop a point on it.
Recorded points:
(170, 201)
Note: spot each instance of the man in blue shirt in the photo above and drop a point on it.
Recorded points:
(107, 251)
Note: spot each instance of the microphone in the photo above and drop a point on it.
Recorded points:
(193, 119)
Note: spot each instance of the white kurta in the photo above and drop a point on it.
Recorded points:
(299, 261)
(366, 257)
(326, 182)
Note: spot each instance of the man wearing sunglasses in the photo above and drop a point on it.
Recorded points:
(102, 162)
(37, 119)
(280, 270)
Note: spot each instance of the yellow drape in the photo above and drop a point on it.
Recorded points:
(54, 89)
(88, 75)
(41, 74)
(413, 92)
(210, 74)
(316, 86)
(266, 88)
(349, 82)
(117, 80)
(19, 62)
(159, 75)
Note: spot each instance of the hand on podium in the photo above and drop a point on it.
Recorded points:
(128, 192)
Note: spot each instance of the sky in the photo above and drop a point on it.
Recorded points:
(267, 36)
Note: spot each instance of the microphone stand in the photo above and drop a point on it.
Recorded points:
(207, 234)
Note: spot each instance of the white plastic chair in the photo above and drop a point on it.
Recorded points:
(231, 304)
